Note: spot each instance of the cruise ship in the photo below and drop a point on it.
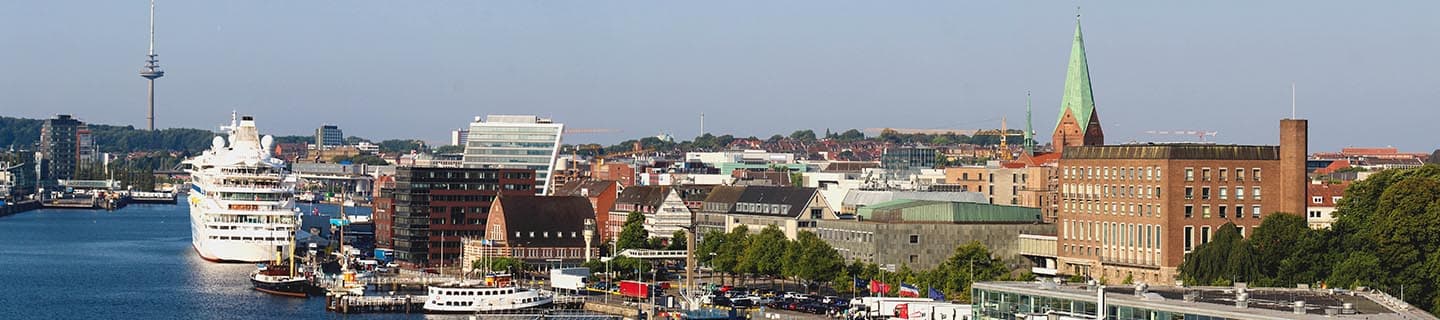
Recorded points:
(241, 207)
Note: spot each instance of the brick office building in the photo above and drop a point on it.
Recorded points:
(431, 209)
(1136, 210)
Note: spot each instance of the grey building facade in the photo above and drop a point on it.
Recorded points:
(921, 245)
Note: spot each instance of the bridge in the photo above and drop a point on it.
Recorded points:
(648, 254)
(1041, 250)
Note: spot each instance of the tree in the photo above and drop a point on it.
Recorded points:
(507, 264)
(633, 234)
(1211, 263)
(709, 246)
(765, 253)
(401, 145)
(850, 135)
(811, 260)
(728, 258)
(677, 241)
(806, 135)
(450, 149)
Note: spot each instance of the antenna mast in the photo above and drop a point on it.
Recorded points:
(151, 70)
(1292, 99)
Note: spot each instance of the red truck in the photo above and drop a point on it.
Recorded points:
(635, 289)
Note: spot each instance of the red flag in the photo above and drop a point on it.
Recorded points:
(875, 286)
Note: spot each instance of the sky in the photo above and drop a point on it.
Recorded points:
(1366, 74)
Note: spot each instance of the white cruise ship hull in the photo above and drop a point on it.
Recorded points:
(241, 207)
(224, 246)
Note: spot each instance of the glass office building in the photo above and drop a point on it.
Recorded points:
(516, 142)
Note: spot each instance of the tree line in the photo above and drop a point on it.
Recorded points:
(1386, 236)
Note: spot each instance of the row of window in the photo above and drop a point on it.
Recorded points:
(1151, 173)
(1140, 236)
(546, 234)
(1222, 210)
(845, 235)
(762, 208)
(1075, 190)
(1224, 176)
(1113, 208)
(270, 239)
(1223, 193)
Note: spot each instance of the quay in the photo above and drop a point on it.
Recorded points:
(18, 207)
(107, 203)
(343, 303)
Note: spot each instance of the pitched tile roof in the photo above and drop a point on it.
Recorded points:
(797, 199)
(557, 216)
(574, 188)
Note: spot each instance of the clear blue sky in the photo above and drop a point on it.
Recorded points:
(1367, 74)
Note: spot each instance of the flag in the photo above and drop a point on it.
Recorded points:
(875, 286)
(861, 284)
(907, 290)
(936, 295)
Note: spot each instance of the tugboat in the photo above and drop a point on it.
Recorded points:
(279, 279)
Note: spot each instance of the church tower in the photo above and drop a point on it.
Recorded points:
(1078, 124)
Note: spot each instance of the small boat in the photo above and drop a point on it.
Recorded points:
(279, 280)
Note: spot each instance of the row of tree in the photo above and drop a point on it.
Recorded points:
(807, 259)
(1386, 236)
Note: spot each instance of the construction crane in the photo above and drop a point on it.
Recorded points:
(1004, 134)
(1198, 134)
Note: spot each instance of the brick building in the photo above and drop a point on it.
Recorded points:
(541, 228)
(1136, 210)
(431, 209)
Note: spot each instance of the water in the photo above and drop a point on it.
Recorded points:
(135, 263)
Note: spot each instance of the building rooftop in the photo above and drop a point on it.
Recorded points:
(543, 221)
(907, 210)
(860, 198)
(586, 188)
(795, 199)
(1261, 303)
(1178, 151)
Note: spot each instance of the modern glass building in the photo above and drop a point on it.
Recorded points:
(329, 136)
(1038, 300)
(515, 142)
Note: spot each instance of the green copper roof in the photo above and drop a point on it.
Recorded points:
(1078, 97)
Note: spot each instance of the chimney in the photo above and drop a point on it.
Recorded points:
(1294, 148)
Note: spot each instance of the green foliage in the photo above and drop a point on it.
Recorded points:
(450, 149)
(1226, 258)
(677, 241)
(765, 253)
(633, 234)
(401, 145)
(806, 135)
(732, 247)
(363, 159)
(709, 246)
(811, 259)
(500, 264)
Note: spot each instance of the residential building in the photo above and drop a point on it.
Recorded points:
(620, 172)
(664, 207)
(542, 228)
(60, 146)
(1136, 210)
(792, 209)
(923, 233)
(458, 137)
(434, 207)
(1079, 122)
(1036, 300)
(908, 158)
(602, 195)
(1320, 207)
(515, 142)
(329, 136)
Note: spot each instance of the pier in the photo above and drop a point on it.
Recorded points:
(18, 207)
(372, 304)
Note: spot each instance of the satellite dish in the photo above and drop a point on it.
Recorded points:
(267, 141)
(217, 143)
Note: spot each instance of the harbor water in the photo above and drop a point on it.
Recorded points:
(134, 263)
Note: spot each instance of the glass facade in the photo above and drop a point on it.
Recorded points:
(999, 304)
(329, 136)
(510, 143)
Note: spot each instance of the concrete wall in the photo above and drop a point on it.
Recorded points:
(889, 243)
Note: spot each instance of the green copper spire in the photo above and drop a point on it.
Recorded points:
(1029, 130)
(1078, 97)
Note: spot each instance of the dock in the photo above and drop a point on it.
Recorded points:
(18, 207)
(372, 304)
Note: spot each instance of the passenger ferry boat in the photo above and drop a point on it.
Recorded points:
(493, 295)
(240, 197)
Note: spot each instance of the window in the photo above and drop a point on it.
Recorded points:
(1205, 174)
(1204, 234)
(1189, 193)
(1222, 210)
(1224, 193)
(1205, 193)
(1222, 174)
(1255, 211)
(1189, 210)
(1256, 193)
(1256, 174)
(1317, 199)
(1189, 238)
(1239, 211)
(914, 239)
(1239, 174)
(1242, 231)
(1189, 174)
(1205, 211)
(1239, 192)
